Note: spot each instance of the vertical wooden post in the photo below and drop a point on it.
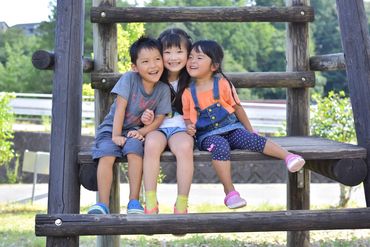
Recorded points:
(64, 188)
(297, 56)
(105, 60)
(356, 46)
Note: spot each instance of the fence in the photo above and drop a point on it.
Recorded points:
(265, 116)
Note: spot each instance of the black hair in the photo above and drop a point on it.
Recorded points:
(215, 52)
(143, 43)
(174, 37)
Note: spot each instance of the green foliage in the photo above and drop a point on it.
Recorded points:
(12, 172)
(87, 91)
(6, 129)
(332, 117)
(125, 37)
(17, 73)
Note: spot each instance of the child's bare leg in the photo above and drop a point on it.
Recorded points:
(105, 177)
(275, 150)
(181, 145)
(223, 171)
(155, 143)
(135, 171)
(293, 162)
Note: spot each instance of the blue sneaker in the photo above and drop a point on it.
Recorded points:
(134, 207)
(99, 208)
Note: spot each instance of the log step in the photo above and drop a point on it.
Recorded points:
(61, 225)
(108, 14)
(106, 81)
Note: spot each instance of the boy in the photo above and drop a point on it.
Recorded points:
(122, 133)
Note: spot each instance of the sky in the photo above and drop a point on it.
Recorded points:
(24, 11)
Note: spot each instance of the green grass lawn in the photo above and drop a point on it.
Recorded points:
(17, 229)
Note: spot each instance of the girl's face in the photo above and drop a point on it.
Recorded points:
(174, 58)
(199, 65)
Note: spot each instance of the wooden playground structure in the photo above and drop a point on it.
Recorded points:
(345, 163)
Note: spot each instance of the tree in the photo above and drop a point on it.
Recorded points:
(17, 73)
(332, 118)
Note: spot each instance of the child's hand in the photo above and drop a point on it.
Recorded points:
(147, 117)
(119, 140)
(135, 134)
(190, 129)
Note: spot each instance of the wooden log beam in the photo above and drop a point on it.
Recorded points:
(106, 81)
(350, 172)
(62, 225)
(297, 124)
(44, 60)
(356, 46)
(107, 14)
(64, 187)
(329, 62)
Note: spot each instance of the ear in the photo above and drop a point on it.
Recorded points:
(134, 68)
(215, 66)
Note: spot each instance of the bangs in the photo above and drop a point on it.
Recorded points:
(172, 40)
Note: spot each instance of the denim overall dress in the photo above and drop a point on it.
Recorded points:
(215, 119)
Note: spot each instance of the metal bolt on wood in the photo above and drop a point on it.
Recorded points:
(302, 13)
(58, 222)
(103, 80)
(303, 79)
(103, 14)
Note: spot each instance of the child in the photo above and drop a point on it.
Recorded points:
(172, 132)
(122, 133)
(214, 115)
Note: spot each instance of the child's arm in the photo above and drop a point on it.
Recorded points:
(243, 118)
(153, 126)
(119, 116)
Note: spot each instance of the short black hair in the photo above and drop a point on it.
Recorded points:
(143, 42)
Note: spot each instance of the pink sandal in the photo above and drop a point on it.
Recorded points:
(233, 200)
(294, 162)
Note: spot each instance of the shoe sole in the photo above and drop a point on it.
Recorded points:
(297, 166)
(95, 211)
(237, 205)
(135, 211)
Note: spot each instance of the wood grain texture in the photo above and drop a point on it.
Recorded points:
(301, 79)
(106, 14)
(120, 224)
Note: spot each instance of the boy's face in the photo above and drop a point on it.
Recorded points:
(149, 65)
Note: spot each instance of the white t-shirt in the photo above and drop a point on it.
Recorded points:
(177, 120)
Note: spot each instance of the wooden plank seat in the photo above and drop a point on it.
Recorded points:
(60, 225)
(341, 162)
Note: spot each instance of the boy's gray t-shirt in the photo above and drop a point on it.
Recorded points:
(130, 87)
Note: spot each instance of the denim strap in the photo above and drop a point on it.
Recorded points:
(194, 95)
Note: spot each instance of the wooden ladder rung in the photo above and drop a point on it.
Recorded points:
(106, 81)
(108, 14)
(61, 225)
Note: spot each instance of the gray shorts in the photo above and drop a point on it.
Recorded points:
(104, 146)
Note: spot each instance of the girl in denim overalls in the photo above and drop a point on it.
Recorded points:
(213, 114)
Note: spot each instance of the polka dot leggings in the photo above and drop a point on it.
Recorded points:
(220, 145)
